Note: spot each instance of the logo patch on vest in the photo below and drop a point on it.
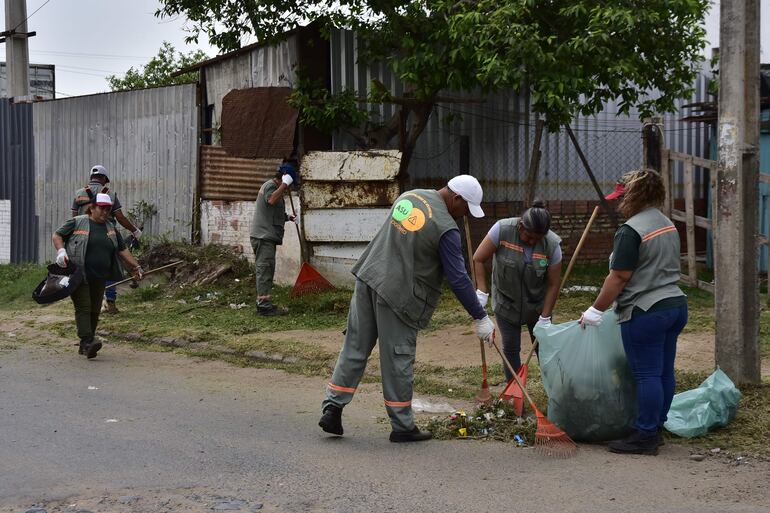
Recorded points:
(410, 217)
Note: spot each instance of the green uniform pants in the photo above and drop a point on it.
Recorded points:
(370, 319)
(264, 256)
(87, 299)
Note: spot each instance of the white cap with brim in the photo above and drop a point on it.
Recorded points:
(99, 170)
(470, 190)
(103, 200)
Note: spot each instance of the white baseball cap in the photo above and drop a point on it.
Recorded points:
(99, 170)
(470, 190)
(103, 200)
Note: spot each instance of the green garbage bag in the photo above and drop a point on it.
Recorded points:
(591, 390)
(696, 412)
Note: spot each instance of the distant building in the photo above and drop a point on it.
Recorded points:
(42, 81)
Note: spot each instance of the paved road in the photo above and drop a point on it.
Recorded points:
(141, 431)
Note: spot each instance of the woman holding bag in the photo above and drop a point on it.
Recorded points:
(526, 268)
(651, 308)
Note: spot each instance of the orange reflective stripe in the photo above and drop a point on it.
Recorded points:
(398, 404)
(342, 389)
(514, 247)
(539, 255)
(80, 232)
(83, 198)
(659, 231)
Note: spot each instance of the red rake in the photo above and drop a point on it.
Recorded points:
(309, 281)
(512, 391)
(549, 439)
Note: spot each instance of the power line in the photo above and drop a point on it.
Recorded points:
(94, 55)
(28, 17)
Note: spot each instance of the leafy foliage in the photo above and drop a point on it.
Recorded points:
(572, 55)
(158, 71)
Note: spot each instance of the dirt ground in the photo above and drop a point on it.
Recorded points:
(458, 347)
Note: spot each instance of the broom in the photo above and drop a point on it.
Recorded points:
(484, 396)
(549, 439)
(309, 281)
(512, 391)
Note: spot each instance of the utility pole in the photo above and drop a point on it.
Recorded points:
(16, 48)
(736, 216)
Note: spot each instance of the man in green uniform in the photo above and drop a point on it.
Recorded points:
(398, 285)
(267, 232)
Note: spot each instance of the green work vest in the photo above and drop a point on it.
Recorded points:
(518, 287)
(657, 272)
(77, 244)
(83, 201)
(402, 263)
(268, 221)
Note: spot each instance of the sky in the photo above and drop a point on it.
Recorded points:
(89, 39)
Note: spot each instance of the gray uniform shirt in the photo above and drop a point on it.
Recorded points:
(268, 221)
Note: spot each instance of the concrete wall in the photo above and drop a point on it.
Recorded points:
(5, 231)
(229, 223)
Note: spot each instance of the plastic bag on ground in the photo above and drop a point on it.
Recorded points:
(696, 412)
(591, 390)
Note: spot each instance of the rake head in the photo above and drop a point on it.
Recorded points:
(552, 441)
(309, 281)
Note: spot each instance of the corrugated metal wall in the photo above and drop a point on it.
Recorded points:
(231, 178)
(147, 140)
(17, 167)
(269, 66)
(499, 134)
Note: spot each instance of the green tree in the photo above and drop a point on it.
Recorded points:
(158, 71)
(571, 55)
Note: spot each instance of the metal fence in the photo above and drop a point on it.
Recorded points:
(146, 139)
(493, 139)
(16, 177)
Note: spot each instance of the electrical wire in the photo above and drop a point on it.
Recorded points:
(28, 17)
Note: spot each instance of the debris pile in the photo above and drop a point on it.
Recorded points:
(495, 421)
(203, 265)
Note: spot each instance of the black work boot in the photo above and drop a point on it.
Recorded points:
(93, 348)
(414, 435)
(636, 443)
(331, 420)
(661, 440)
(272, 310)
(84, 342)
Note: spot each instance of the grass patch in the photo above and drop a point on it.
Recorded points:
(17, 281)
(747, 434)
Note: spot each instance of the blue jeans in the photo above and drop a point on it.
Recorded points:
(511, 334)
(649, 340)
(110, 294)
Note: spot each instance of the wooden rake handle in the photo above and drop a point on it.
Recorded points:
(121, 282)
(579, 246)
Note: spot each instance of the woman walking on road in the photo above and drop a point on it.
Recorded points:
(651, 308)
(526, 268)
(94, 245)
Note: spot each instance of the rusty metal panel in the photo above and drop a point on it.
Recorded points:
(266, 66)
(348, 194)
(231, 178)
(344, 224)
(375, 165)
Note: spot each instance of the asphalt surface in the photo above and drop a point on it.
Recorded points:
(144, 431)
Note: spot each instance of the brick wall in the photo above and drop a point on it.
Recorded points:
(229, 223)
(5, 231)
(569, 219)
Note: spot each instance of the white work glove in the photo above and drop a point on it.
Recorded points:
(591, 317)
(61, 258)
(484, 329)
(483, 297)
(137, 233)
(138, 272)
(287, 179)
(543, 322)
